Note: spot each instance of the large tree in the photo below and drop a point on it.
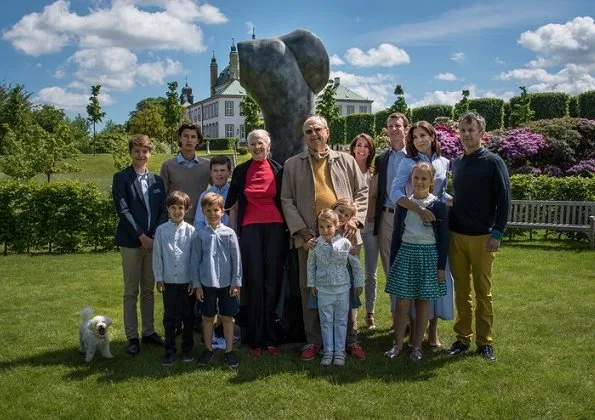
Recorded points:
(251, 112)
(400, 104)
(462, 107)
(15, 112)
(148, 121)
(173, 114)
(327, 104)
(94, 110)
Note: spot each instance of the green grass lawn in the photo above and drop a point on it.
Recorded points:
(544, 297)
(100, 168)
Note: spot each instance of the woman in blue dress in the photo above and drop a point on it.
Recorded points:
(422, 145)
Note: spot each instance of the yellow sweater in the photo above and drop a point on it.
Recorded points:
(324, 193)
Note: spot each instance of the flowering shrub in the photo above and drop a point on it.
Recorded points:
(519, 145)
(583, 168)
(450, 144)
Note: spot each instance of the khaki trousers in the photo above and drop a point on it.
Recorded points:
(471, 264)
(138, 277)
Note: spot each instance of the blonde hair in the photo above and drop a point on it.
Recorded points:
(140, 140)
(329, 215)
(212, 199)
(345, 202)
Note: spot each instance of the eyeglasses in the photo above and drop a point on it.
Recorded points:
(316, 130)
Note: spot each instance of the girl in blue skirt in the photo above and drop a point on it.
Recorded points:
(418, 258)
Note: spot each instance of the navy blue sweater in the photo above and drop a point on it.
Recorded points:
(481, 194)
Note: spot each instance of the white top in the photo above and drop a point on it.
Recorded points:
(416, 232)
(171, 252)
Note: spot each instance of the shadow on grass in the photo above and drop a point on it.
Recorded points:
(147, 364)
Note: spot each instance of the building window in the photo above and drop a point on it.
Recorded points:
(242, 131)
(228, 130)
(363, 109)
(350, 109)
(229, 108)
(340, 109)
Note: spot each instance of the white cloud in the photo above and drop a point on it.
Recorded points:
(249, 27)
(469, 19)
(378, 87)
(122, 25)
(499, 61)
(67, 100)
(571, 45)
(458, 56)
(335, 60)
(386, 55)
(155, 72)
(446, 76)
(443, 97)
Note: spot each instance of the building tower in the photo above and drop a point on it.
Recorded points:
(214, 71)
(234, 62)
(186, 96)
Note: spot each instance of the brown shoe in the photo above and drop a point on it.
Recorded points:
(370, 322)
(309, 352)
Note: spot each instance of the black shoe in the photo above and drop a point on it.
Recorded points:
(487, 352)
(458, 348)
(179, 329)
(232, 360)
(133, 347)
(206, 357)
(168, 359)
(187, 357)
(153, 339)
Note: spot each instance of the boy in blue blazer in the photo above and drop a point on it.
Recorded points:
(139, 197)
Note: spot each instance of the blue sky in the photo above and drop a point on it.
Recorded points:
(58, 49)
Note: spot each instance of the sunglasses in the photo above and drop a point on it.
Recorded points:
(316, 130)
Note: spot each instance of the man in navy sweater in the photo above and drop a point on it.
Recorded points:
(477, 220)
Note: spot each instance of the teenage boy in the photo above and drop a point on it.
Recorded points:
(139, 197)
(220, 168)
(217, 275)
(187, 172)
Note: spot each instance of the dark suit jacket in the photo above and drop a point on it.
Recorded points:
(238, 184)
(130, 205)
(381, 169)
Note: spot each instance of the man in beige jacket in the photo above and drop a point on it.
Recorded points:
(312, 181)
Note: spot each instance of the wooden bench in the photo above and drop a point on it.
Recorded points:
(567, 216)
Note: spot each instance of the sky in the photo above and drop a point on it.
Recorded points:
(434, 48)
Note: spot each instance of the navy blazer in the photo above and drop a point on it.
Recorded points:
(382, 171)
(130, 205)
(238, 184)
(440, 231)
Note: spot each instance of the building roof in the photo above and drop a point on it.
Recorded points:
(233, 88)
(344, 94)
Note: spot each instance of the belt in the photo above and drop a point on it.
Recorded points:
(388, 209)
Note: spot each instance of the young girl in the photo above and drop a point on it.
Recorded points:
(418, 258)
(329, 280)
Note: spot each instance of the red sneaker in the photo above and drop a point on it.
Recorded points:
(310, 351)
(274, 351)
(256, 352)
(356, 351)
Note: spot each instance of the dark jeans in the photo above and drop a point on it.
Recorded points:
(263, 248)
(177, 305)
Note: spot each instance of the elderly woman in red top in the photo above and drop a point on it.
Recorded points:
(256, 215)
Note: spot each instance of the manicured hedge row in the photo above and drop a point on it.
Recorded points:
(492, 109)
(55, 217)
(338, 131)
(72, 216)
(358, 123)
(219, 143)
(586, 105)
(430, 112)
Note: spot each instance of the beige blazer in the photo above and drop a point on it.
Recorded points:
(297, 191)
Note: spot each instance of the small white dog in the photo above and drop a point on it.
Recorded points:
(93, 335)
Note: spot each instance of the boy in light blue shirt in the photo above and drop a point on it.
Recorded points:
(217, 275)
(171, 268)
(220, 168)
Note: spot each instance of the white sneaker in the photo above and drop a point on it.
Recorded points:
(327, 359)
(339, 359)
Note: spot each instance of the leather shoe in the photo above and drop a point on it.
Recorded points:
(133, 347)
(487, 352)
(154, 339)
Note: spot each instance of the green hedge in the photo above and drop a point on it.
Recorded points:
(338, 131)
(550, 105)
(586, 105)
(492, 109)
(573, 107)
(55, 217)
(358, 123)
(571, 188)
(430, 112)
(219, 143)
(380, 120)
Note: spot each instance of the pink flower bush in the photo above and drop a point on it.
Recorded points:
(518, 146)
(450, 144)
